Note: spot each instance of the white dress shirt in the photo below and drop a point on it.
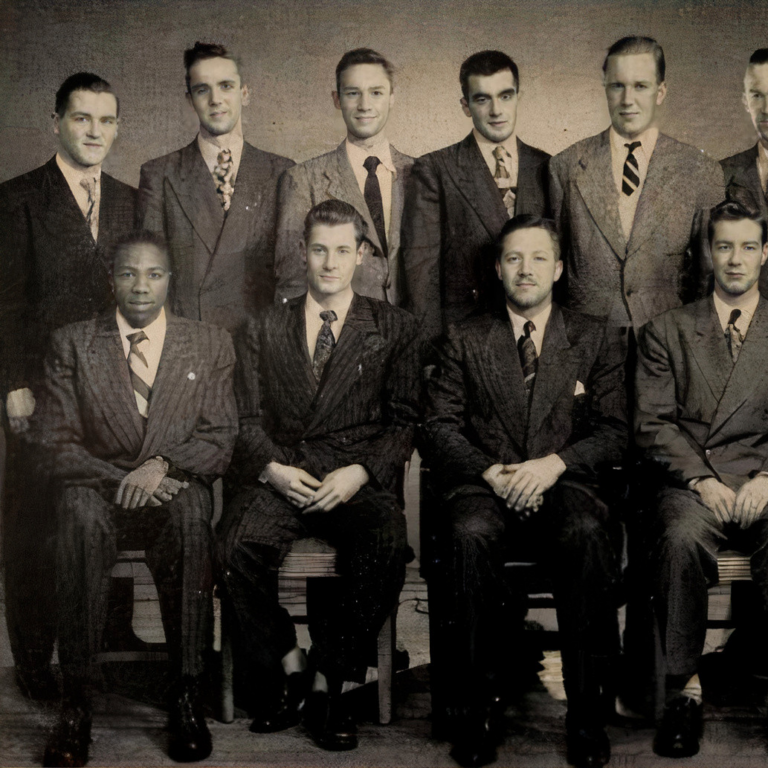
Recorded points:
(539, 320)
(210, 152)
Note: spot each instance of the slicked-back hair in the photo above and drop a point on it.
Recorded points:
(364, 56)
(760, 56)
(82, 81)
(484, 64)
(730, 210)
(138, 237)
(636, 44)
(528, 221)
(334, 213)
(201, 51)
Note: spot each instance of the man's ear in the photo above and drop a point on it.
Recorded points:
(765, 254)
(56, 123)
(465, 106)
(498, 269)
(303, 252)
(246, 96)
(662, 94)
(336, 101)
(359, 257)
(558, 269)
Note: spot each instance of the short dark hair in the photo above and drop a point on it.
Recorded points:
(137, 237)
(82, 81)
(486, 63)
(731, 210)
(201, 51)
(334, 213)
(635, 44)
(364, 56)
(760, 56)
(528, 221)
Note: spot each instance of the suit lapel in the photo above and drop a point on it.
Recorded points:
(62, 213)
(398, 200)
(749, 178)
(711, 350)
(598, 190)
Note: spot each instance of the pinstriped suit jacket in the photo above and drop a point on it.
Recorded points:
(363, 411)
(88, 415)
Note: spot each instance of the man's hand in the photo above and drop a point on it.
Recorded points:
(718, 497)
(19, 405)
(167, 489)
(295, 484)
(530, 480)
(751, 500)
(497, 479)
(138, 487)
(338, 487)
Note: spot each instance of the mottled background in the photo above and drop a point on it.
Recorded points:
(290, 48)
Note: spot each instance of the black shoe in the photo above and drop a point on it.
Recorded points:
(328, 722)
(190, 739)
(38, 684)
(68, 745)
(588, 745)
(680, 729)
(476, 739)
(286, 711)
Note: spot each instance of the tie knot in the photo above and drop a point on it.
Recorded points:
(328, 316)
(529, 328)
(500, 153)
(371, 164)
(632, 146)
(137, 338)
(225, 156)
(735, 315)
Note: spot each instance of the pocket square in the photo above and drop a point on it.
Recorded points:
(579, 389)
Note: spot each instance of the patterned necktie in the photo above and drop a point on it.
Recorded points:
(373, 199)
(325, 343)
(222, 175)
(733, 335)
(89, 185)
(504, 180)
(139, 372)
(630, 180)
(528, 357)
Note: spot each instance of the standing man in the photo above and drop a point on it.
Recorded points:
(214, 200)
(138, 416)
(57, 222)
(365, 170)
(746, 173)
(460, 197)
(629, 202)
(702, 419)
(525, 408)
(328, 389)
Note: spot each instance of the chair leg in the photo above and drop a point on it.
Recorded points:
(227, 695)
(386, 645)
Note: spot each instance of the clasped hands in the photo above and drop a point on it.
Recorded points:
(19, 405)
(743, 507)
(148, 486)
(523, 485)
(310, 494)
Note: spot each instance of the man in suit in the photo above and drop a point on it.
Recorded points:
(365, 170)
(702, 419)
(525, 407)
(138, 417)
(57, 222)
(746, 173)
(629, 201)
(214, 200)
(327, 390)
(460, 197)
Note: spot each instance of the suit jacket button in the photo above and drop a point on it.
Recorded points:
(475, 293)
(629, 291)
(707, 452)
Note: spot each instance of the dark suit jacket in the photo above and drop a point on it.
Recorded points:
(362, 412)
(53, 271)
(477, 404)
(330, 177)
(666, 261)
(453, 213)
(88, 416)
(223, 265)
(697, 414)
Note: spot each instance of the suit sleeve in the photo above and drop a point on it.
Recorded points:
(558, 205)
(421, 247)
(293, 204)
(657, 432)
(151, 210)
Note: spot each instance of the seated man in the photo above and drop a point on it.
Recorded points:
(139, 417)
(702, 417)
(524, 406)
(327, 390)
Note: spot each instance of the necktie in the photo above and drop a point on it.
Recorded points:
(504, 180)
(732, 333)
(139, 369)
(325, 343)
(631, 176)
(222, 175)
(528, 357)
(373, 199)
(89, 185)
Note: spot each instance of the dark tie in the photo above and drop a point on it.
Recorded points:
(528, 357)
(631, 178)
(373, 199)
(732, 333)
(136, 359)
(325, 343)
(222, 175)
(504, 180)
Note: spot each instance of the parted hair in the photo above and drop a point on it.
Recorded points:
(635, 44)
(201, 51)
(334, 213)
(486, 63)
(137, 237)
(82, 81)
(760, 56)
(364, 56)
(731, 210)
(528, 221)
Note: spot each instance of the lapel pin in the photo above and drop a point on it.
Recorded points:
(191, 375)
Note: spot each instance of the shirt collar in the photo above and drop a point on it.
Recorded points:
(74, 176)
(647, 141)
(747, 312)
(155, 331)
(486, 146)
(540, 319)
(762, 154)
(313, 309)
(381, 150)
(210, 149)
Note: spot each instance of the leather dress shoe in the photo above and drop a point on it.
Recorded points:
(190, 739)
(68, 745)
(329, 723)
(680, 729)
(286, 712)
(38, 683)
(476, 739)
(588, 745)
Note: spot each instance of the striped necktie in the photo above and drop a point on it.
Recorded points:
(528, 357)
(630, 180)
(139, 372)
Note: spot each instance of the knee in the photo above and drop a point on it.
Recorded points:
(81, 509)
